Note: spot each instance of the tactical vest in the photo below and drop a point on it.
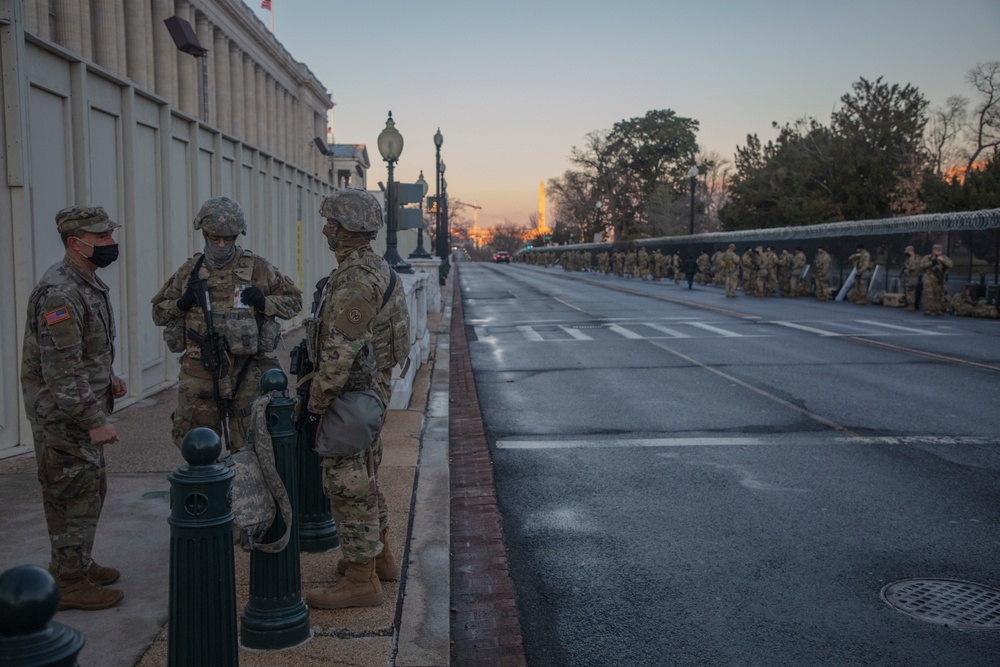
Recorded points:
(246, 332)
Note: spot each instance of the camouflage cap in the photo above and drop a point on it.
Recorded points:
(93, 219)
(936, 246)
(221, 216)
(909, 248)
(354, 210)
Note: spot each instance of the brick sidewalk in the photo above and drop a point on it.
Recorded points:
(485, 629)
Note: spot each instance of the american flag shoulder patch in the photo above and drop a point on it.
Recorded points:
(56, 316)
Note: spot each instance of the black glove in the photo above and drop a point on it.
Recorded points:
(253, 296)
(187, 300)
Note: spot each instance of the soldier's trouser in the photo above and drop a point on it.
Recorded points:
(821, 283)
(910, 290)
(74, 485)
(793, 285)
(196, 405)
(933, 297)
(731, 284)
(354, 505)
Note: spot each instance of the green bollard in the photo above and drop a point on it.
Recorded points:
(202, 612)
(317, 529)
(276, 617)
(29, 637)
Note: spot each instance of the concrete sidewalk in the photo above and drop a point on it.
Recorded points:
(411, 628)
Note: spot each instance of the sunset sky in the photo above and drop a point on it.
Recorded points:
(515, 85)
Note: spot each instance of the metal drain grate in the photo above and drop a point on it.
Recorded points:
(959, 604)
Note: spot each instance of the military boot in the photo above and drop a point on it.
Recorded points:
(359, 587)
(386, 566)
(81, 593)
(102, 576)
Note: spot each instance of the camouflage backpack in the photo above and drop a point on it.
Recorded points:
(257, 489)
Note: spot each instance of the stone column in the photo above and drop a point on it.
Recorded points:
(120, 37)
(164, 53)
(188, 68)
(261, 106)
(42, 18)
(69, 26)
(250, 100)
(105, 35)
(322, 161)
(287, 123)
(270, 116)
(223, 119)
(31, 15)
(87, 39)
(137, 43)
(204, 32)
(237, 99)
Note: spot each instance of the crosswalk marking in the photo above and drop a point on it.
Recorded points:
(575, 333)
(623, 332)
(802, 327)
(667, 330)
(530, 333)
(709, 327)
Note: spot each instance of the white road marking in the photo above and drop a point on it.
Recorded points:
(709, 327)
(807, 439)
(622, 331)
(575, 333)
(923, 332)
(667, 330)
(802, 327)
(530, 333)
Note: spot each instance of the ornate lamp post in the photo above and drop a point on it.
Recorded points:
(693, 173)
(390, 145)
(445, 231)
(438, 232)
(420, 253)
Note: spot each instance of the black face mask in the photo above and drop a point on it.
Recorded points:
(103, 254)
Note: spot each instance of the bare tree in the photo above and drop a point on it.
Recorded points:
(944, 128)
(713, 189)
(985, 130)
(510, 236)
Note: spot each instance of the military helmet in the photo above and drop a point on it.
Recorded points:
(909, 248)
(221, 216)
(354, 210)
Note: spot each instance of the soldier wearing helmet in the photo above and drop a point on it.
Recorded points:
(246, 296)
(935, 267)
(911, 277)
(344, 337)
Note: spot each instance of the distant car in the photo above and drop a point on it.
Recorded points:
(502, 256)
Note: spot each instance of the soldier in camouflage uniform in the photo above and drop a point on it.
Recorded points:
(339, 336)
(935, 267)
(785, 272)
(69, 389)
(704, 268)
(821, 265)
(643, 263)
(749, 272)
(729, 267)
(678, 267)
(602, 263)
(795, 274)
(862, 261)
(246, 295)
(911, 277)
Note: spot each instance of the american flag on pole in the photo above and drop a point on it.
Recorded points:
(265, 4)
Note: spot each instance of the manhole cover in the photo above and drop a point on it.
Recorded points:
(960, 604)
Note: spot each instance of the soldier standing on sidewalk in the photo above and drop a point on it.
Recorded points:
(911, 277)
(935, 282)
(69, 390)
(340, 338)
(246, 293)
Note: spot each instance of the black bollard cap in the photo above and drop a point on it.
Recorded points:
(201, 446)
(29, 599)
(273, 380)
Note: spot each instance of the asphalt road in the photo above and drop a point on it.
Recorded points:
(687, 479)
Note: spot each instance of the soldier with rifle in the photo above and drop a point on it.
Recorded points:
(220, 309)
(935, 281)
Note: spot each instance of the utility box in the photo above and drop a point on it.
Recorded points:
(993, 295)
(892, 299)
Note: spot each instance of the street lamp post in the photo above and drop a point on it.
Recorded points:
(693, 173)
(438, 232)
(390, 145)
(445, 231)
(420, 253)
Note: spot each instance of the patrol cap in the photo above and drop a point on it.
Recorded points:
(354, 210)
(936, 246)
(93, 219)
(909, 248)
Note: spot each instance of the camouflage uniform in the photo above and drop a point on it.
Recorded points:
(935, 267)
(196, 404)
(729, 268)
(704, 266)
(342, 329)
(765, 273)
(862, 263)
(67, 380)
(795, 274)
(678, 271)
(643, 263)
(784, 272)
(822, 267)
(749, 272)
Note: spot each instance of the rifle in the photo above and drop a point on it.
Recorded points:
(214, 357)
(302, 366)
